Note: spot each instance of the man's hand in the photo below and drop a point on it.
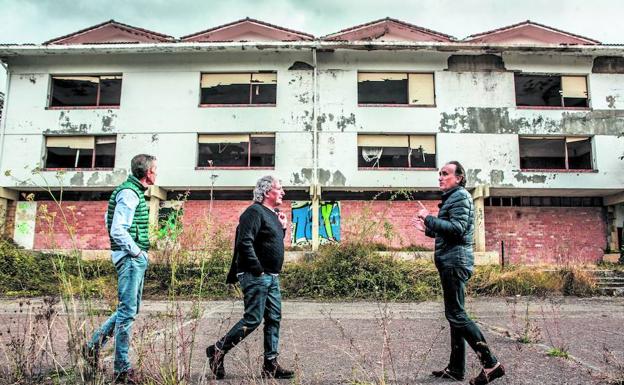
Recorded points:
(283, 219)
(419, 224)
(423, 212)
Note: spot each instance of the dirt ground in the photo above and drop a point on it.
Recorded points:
(349, 343)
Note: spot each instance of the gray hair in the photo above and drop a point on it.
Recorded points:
(263, 186)
(141, 164)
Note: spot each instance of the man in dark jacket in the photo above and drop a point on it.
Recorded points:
(258, 259)
(453, 230)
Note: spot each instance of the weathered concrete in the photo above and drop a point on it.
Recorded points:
(478, 107)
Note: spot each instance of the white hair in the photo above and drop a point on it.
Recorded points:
(263, 186)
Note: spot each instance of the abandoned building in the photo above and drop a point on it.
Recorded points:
(355, 124)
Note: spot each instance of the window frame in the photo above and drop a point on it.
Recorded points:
(96, 106)
(93, 156)
(567, 168)
(251, 84)
(408, 104)
(561, 76)
(408, 148)
(248, 167)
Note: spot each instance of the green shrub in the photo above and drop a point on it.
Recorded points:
(355, 271)
(345, 271)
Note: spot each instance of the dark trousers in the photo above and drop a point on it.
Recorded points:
(463, 329)
(262, 299)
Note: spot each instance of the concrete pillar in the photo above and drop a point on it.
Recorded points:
(479, 194)
(6, 195)
(610, 202)
(315, 196)
(155, 195)
(612, 229)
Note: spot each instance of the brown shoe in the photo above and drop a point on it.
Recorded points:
(128, 377)
(446, 373)
(484, 378)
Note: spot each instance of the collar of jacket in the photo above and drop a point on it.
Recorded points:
(450, 192)
(133, 179)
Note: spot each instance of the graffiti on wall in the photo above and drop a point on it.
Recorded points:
(170, 216)
(329, 222)
(24, 231)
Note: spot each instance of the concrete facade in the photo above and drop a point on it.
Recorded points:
(475, 121)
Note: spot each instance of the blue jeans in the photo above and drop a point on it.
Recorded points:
(130, 276)
(262, 299)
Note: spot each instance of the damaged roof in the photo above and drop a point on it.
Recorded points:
(111, 32)
(247, 29)
(529, 32)
(388, 29)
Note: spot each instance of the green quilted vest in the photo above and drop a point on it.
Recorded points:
(139, 230)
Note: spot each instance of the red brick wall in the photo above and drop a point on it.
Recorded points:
(387, 222)
(531, 234)
(202, 220)
(354, 215)
(84, 218)
(9, 225)
(534, 235)
(384, 222)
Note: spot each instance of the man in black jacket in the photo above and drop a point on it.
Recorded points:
(258, 259)
(453, 230)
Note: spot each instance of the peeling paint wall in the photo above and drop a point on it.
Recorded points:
(475, 119)
(159, 114)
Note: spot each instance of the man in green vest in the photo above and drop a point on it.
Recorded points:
(127, 224)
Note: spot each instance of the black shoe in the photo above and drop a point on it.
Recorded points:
(483, 378)
(215, 360)
(91, 356)
(272, 369)
(446, 373)
(128, 377)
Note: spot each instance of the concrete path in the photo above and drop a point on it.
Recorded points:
(364, 342)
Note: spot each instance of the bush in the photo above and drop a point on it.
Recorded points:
(530, 280)
(345, 271)
(355, 271)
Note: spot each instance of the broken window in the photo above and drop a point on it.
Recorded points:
(80, 151)
(239, 88)
(236, 150)
(551, 90)
(579, 153)
(402, 151)
(85, 91)
(396, 88)
(556, 153)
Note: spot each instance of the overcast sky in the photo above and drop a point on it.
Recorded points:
(35, 21)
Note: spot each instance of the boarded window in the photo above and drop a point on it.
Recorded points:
(551, 90)
(395, 88)
(404, 151)
(85, 91)
(239, 88)
(555, 153)
(421, 89)
(236, 150)
(80, 152)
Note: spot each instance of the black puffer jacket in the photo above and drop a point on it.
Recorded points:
(453, 230)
